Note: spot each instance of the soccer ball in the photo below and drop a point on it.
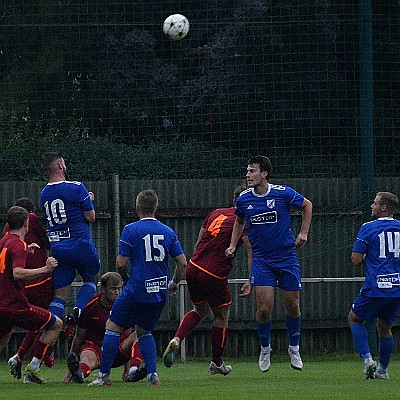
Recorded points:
(176, 26)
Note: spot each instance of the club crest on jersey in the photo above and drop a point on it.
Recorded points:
(271, 203)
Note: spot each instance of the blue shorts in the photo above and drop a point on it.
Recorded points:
(286, 274)
(83, 260)
(127, 313)
(369, 308)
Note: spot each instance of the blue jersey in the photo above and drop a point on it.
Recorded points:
(268, 220)
(379, 240)
(63, 204)
(148, 243)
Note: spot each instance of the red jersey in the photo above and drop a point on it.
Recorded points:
(209, 254)
(93, 319)
(13, 253)
(37, 234)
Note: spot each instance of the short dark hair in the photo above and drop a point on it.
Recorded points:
(239, 189)
(48, 160)
(147, 201)
(262, 161)
(25, 203)
(390, 200)
(110, 278)
(16, 217)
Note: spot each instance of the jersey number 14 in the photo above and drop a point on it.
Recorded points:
(393, 244)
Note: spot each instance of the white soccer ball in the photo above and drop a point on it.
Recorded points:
(176, 26)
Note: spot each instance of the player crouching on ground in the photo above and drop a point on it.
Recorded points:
(91, 328)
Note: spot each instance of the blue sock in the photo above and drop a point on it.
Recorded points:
(57, 307)
(360, 339)
(149, 352)
(109, 350)
(293, 328)
(386, 346)
(85, 294)
(264, 333)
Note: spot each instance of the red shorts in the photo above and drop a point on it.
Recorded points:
(119, 360)
(32, 319)
(40, 294)
(205, 288)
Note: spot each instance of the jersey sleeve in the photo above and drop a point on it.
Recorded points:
(239, 209)
(19, 255)
(125, 247)
(176, 248)
(361, 243)
(296, 199)
(86, 202)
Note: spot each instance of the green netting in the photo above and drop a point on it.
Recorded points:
(98, 80)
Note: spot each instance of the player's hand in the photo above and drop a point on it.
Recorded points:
(51, 263)
(230, 252)
(246, 290)
(67, 377)
(91, 195)
(172, 289)
(301, 240)
(32, 247)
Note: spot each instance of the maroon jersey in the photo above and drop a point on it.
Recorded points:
(13, 253)
(37, 234)
(209, 254)
(93, 319)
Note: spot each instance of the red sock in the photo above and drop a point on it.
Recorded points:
(136, 356)
(85, 369)
(188, 324)
(41, 350)
(27, 343)
(218, 336)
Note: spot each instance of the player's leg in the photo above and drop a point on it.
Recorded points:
(291, 301)
(192, 318)
(146, 322)
(386, 316)
(265, 305)
(81, 367)
(37, 318)
(363, 309)
(218, 340)
(134, 370)
(87, 264)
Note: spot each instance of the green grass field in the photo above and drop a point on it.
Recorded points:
(322, 378)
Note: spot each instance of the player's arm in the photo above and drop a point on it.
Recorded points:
(122, 267)
(200, 235)
(90, 216)
(179, 274)
(237, 231)
(306, 209)
(357, 258)
(78, 340)
(23, 274)
(246, 288)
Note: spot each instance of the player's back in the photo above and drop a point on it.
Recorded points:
(149, 243)
(209, 253)
(63, 204)
(382, 238)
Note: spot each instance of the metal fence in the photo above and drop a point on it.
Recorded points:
(330, 280)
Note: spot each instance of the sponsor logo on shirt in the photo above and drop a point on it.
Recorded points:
(56, 236)
(387, 281)
(156, 284)
(269, 217)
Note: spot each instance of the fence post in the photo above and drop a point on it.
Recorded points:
(116, 212)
